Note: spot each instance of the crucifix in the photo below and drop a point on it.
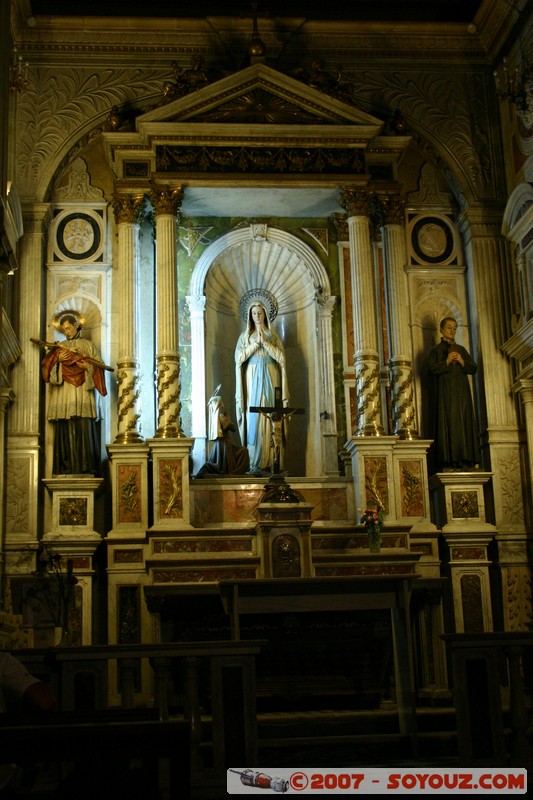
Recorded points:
(277, 414)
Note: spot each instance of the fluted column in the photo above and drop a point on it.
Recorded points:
(400, 361)
(328, 425)
(196, 305)
(25, 437)
(166, 203)
(26, 374)
(127, 210)
(366, 355)
(489, 260)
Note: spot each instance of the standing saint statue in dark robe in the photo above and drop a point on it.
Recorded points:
(225, 457)
(457, 443)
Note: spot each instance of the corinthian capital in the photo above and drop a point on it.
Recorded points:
(392, 209)
(166, 200)
(128, 208)
(356, 201)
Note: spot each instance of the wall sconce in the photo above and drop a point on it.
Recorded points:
(18, 73)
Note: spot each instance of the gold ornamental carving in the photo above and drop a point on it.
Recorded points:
(341, 226)
(356, 201)
(73, 511)
(128, 208)
(166, 200)
(171, 492)
(411, 488)
(465, 505)
(376, 482)
(129, 479)
(392, 210)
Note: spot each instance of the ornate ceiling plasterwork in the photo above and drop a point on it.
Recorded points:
(64, 103)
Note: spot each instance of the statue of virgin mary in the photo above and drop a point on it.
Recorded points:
(260, 370)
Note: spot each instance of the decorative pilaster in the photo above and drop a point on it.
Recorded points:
(166, 203)
(489, 260)
(24, 434)
(366, 358)
(514, 562)
(128, 210)
(400, 362)
(328, 426)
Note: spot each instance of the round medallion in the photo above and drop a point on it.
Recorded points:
(78, 236)
(432, 240)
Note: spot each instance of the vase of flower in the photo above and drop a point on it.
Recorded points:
(374, 539)
(372, 519)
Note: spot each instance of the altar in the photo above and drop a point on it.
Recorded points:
(357, 593)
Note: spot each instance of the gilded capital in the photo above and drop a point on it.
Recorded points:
(392, 209)
(341, 224)
(128, 208)
(166, 200)
(356, 201)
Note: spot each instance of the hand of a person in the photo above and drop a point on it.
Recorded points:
(455, 358)
(64, 354)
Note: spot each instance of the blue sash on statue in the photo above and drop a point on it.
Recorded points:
(261, 387)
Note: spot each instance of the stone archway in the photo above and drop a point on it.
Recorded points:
(257, 256)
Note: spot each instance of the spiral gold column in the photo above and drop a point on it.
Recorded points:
(366, 356)
(128, 210)
(400, 362)
(166, 203)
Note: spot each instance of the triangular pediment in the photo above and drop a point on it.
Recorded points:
(261, 95)
(255, 125)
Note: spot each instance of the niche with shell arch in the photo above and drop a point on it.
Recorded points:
(260, 257)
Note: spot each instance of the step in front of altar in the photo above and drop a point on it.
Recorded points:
(206, 556)
(232, 501)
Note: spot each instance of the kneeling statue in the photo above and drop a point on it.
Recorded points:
(225, 457)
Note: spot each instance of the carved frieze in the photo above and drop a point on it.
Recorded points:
(202, 545)
(127, 556)
(203, 575)
(248, 159)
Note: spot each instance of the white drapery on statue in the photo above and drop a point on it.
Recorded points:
(260, 374)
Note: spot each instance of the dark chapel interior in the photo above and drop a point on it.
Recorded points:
(331, 199)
